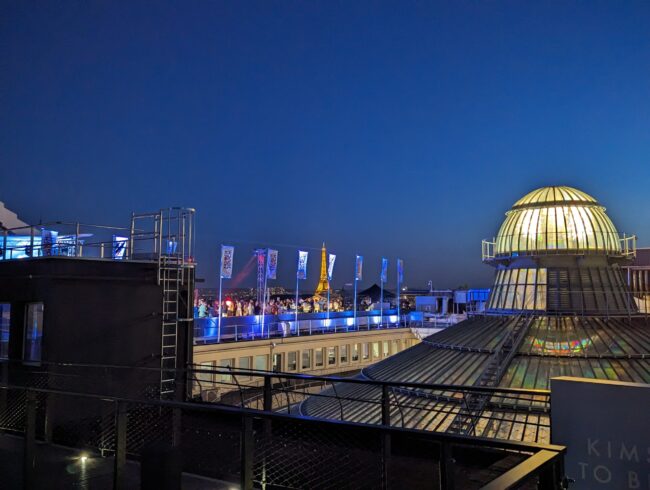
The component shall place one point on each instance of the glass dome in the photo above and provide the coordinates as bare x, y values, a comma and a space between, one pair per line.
557, 219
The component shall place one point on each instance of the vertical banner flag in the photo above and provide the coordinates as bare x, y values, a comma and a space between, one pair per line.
119, 247
400, 271
271, 263
384, 270
302, 264
358, 270
330, 266
227, 253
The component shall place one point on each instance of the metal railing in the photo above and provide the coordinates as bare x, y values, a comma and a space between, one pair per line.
555, 299
169, 232
117, 442
508, 413
234, 329
558, 243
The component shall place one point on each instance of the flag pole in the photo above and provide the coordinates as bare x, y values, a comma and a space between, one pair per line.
398, 285
355, 295
219, 327
328, 298
266, 276
381, 302
297, 285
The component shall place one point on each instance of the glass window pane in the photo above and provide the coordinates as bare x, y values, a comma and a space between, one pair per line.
292, 361
331, 356
344, 353
33, 332
366, 351
244, 363
262, 363
205, 377
386, 348
226, 364
5, 322
306, 359
375, 350
319, 358
355, 352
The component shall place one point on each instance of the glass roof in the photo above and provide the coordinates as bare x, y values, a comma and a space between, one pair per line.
557, 219
554, 194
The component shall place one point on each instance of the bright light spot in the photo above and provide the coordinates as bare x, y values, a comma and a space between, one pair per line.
350, 322
376, 319
83, 458
327, 322
393, 318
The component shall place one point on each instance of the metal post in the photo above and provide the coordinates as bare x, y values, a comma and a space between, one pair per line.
381, 303
328, 298
220, 306
29, 461
264, 302
398, 308
297, 325
31, 242
355, 299
129, 252
386, 439
120, 446
268, 394
446, 468
247, 446
77, 249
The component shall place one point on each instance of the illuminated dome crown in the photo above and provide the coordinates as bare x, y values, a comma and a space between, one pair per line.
557, 219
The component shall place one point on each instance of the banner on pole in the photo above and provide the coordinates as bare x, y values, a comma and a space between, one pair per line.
302, 264
358, 269
400, 271
384, 270
119, 247
271, 263
330, 266
227, 253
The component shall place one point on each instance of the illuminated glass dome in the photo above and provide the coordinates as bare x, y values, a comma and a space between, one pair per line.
556, 219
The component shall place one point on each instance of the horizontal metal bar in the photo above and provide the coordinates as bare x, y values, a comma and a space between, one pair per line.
238, 411
523, 470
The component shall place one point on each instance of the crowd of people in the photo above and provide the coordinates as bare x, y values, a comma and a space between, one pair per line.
276, 306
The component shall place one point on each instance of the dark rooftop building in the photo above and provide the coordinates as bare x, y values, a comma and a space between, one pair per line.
560, 305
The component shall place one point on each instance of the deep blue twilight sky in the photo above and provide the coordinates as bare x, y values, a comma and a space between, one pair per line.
384, 128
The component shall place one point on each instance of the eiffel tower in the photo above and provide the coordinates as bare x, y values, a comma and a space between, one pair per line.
323, 283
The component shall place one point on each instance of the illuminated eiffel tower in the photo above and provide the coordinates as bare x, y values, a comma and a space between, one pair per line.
323, 283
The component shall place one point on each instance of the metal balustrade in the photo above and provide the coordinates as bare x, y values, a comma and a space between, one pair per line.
69, 436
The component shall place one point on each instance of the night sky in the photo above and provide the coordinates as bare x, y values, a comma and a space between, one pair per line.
383, 128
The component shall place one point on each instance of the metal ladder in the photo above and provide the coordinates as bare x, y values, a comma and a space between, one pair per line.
167, 236
171, 277
474, 403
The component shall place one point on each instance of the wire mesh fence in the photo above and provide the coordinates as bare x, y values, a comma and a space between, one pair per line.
80, 439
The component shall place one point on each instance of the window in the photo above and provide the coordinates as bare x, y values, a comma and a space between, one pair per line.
319, 358
5, 321
306, 359
386, 349
292, 361
331, 356
365, 351
226, 364
244, 363
278, 362
33, 332
203, 377
355, 352
262, 363
375, 350
344, 353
